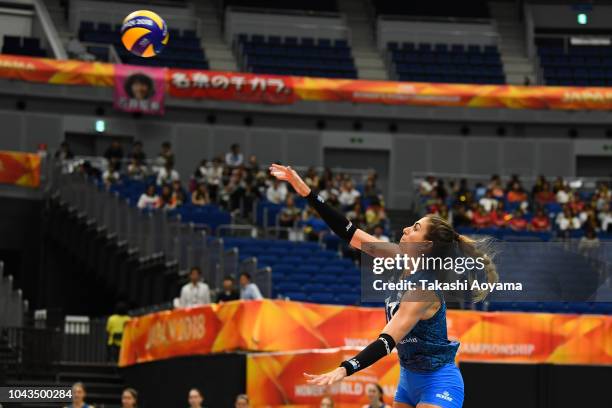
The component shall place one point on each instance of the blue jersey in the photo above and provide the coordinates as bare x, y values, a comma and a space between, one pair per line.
426, 348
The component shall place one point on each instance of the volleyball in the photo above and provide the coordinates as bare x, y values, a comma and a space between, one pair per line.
144, 33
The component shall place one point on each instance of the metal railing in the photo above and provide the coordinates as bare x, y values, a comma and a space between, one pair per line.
83, 342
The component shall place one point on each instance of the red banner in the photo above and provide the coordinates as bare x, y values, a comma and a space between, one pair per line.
277, 89
140, 89
278, 325
22, 169
230, 86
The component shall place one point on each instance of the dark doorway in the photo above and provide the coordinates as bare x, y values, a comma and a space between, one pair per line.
594, 166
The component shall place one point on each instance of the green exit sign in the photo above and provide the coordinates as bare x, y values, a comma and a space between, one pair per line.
356, 140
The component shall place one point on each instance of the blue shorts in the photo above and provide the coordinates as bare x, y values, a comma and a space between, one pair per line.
443, 387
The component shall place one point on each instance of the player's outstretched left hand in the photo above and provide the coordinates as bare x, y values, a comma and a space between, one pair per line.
329, 378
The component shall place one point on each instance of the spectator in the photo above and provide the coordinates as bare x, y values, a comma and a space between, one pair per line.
178, 192
427, 186
289, 214
495, 185
379, 233
215, 175
136, 169
111, 174
327, 402
538, 185
234, 158
540, 222
165, 155
114, 153
149, 199
518, 221
545, 195
375, 214
229, 292
248, 289
348, 195
242, 401
563, 195
195, 292
516, 193
566, 221
200, 195
129, 398
114, 327
605, 218
252, 164
375, 396
167, 174
195, 398
64, 152
78, 396
481, 218
166, 199
480, 191
499, 218
138, 153
463, 194
488, 202
276, 192
311, 178
200, 174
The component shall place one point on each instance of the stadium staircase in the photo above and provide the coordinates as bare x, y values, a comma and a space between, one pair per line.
57, 13
512, 43
367, 57
219, 53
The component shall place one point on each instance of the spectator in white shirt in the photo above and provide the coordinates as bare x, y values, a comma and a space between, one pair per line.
348, 194
562, 196
149, 199
111, 175
195, 292
566, 221
605, 218
167, 175
276, 192
234, 158
488, 201
248, 290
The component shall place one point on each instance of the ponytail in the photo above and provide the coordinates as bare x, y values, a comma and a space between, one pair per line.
470, 248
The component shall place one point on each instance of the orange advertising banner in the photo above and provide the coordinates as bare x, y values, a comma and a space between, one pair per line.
61, 72
277, 379
22, 169
278, 89
279, 325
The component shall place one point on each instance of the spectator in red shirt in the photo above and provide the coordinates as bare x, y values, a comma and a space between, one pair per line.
499, 218
480, 218
575, 204
545, 195
518, 222
540, 222
516, 194
495, 185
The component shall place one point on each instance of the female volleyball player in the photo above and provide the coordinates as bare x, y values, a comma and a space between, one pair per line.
428, 375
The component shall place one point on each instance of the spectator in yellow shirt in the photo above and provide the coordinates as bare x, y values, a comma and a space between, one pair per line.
114, 327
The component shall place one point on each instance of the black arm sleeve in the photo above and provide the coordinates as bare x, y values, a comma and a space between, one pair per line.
369, 355
338, 223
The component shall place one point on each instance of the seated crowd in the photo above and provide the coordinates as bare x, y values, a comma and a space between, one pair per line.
550, 206
235, 184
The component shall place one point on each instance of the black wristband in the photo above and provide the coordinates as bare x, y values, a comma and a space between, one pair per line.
337, 222
369, 355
